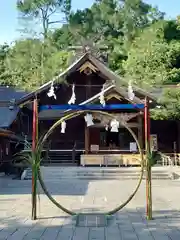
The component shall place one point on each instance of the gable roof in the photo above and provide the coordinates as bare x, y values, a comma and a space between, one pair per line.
73, 67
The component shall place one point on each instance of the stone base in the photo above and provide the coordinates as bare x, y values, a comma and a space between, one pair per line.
111, 159
92, 220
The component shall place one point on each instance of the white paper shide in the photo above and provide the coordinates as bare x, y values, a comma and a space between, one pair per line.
51, 92
114, 125
89, 119
73, 97
131, 94
63, 127
101, 97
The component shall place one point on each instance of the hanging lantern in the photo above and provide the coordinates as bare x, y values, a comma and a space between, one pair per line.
51, 92
114, 125
102, 99
131, 94
73, 97
63, 127
89, 120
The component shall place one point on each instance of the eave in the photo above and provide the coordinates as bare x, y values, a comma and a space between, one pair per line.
102, 69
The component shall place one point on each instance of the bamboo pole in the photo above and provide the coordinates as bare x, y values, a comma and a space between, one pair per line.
148, 162
34, 164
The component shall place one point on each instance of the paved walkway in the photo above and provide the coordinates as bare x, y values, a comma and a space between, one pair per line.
83, 195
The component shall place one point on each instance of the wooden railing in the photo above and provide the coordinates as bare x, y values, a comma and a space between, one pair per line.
170, 159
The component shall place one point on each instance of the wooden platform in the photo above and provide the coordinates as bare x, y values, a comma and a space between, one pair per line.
111, 159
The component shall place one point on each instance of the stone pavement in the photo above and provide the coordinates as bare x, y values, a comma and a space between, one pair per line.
87, 196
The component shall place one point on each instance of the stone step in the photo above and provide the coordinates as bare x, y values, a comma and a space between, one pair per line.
51, 174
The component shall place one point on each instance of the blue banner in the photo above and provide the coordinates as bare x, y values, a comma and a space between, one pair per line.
91, 107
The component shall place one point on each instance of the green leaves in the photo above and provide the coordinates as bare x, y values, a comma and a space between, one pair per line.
30, 158
154, 62
31, 63
43, 10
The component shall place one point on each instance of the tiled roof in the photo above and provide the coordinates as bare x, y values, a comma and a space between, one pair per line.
9, 93
8, 115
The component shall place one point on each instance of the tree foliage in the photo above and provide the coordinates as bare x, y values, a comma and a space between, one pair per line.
31, 63
43, 10
154, 56
154, 61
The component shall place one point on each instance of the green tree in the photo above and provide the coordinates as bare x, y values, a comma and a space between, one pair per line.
4, 49
109, 23
31, 63
170, 104
152, 58
43, 10
154, 62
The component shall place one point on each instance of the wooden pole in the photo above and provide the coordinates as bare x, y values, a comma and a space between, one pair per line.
140, 130
148, 163
86, 140
34, 169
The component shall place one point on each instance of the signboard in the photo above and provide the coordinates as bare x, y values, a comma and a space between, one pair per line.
153, 142
94, 148
133, 147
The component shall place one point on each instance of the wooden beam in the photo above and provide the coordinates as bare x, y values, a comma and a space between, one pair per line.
91, 107
132, 125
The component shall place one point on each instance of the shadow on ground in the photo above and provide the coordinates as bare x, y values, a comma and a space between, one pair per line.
127, 224
63, 187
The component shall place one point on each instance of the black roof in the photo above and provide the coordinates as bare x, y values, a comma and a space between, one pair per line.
8, 115
9, 93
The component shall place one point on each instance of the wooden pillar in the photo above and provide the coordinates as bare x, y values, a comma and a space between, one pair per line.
148, 163
34, 170
140, 130
87, 143
178, 136
88, 87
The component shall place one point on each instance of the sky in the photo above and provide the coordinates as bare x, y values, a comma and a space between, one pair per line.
9, 23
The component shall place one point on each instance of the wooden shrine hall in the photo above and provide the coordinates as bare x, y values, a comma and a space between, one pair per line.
88, 81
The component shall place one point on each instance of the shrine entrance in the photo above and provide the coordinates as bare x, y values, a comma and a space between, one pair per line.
102, 138
112, 139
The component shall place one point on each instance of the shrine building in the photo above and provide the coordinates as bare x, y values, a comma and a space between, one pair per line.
92, 138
